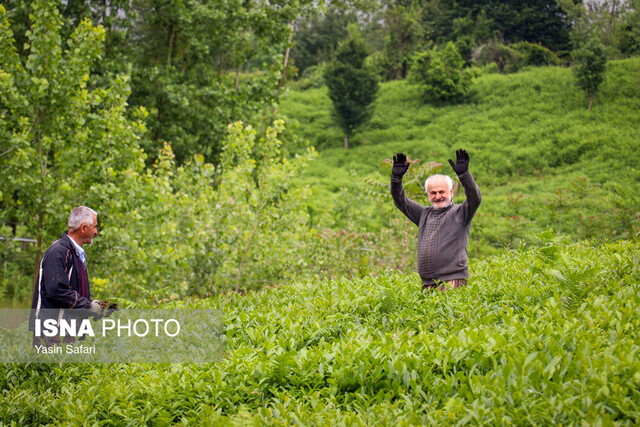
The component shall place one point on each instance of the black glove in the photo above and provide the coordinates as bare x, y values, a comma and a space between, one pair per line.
462, 162
400, 165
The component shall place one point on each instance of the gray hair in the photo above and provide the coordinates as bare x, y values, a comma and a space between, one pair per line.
447, 177
80, 215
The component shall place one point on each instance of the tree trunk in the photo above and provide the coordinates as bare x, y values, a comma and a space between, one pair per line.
346, 140
590, 103
286, 55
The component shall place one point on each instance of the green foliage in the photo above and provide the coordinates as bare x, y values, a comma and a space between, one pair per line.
441, 74
403, 36
61, 138
511, 58
614, 24
311, 77
535, 54
628, 34
540, 21
317, 37
199, 66
471, 33
589, 67
166, 230
544, 336
528, 133
194, 66
197, 229
506, 58
352, 86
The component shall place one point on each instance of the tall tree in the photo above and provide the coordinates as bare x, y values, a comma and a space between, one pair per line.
352, 86
614, 23
59, 137
189, 61
193, 56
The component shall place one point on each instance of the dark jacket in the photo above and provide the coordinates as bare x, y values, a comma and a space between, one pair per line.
442, 233
60, 281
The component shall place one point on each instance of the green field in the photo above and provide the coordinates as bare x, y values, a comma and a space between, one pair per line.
528, 134
538, 337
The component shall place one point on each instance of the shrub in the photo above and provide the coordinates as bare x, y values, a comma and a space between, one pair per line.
441, 74
507, 59
535, 54
590, 64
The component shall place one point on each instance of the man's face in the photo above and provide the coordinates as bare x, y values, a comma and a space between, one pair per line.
89, 231
439, 194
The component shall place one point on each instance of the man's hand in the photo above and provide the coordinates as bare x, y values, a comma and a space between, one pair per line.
462, 162
400, 165
96, 308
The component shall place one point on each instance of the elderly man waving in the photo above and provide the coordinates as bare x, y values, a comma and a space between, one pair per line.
443, 227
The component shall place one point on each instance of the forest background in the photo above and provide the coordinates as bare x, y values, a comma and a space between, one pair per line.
203, 134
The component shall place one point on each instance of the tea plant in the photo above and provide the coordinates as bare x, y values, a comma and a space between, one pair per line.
542, 336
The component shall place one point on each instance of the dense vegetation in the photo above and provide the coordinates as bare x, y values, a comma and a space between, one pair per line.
201, 132
246, 214
543, 336
541, 159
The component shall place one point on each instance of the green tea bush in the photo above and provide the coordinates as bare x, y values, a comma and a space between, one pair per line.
542, 336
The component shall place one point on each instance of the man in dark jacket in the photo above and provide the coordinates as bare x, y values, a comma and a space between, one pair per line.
63, 282
443, 227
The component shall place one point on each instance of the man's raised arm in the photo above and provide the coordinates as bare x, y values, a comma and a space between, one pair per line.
471, 189
411, 209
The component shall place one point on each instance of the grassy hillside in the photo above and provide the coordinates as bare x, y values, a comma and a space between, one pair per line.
528, 135
544, 336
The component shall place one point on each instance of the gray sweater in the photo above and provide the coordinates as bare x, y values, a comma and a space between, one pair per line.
442, 233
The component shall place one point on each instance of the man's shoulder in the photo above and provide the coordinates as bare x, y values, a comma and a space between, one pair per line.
60, 246
458, 208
